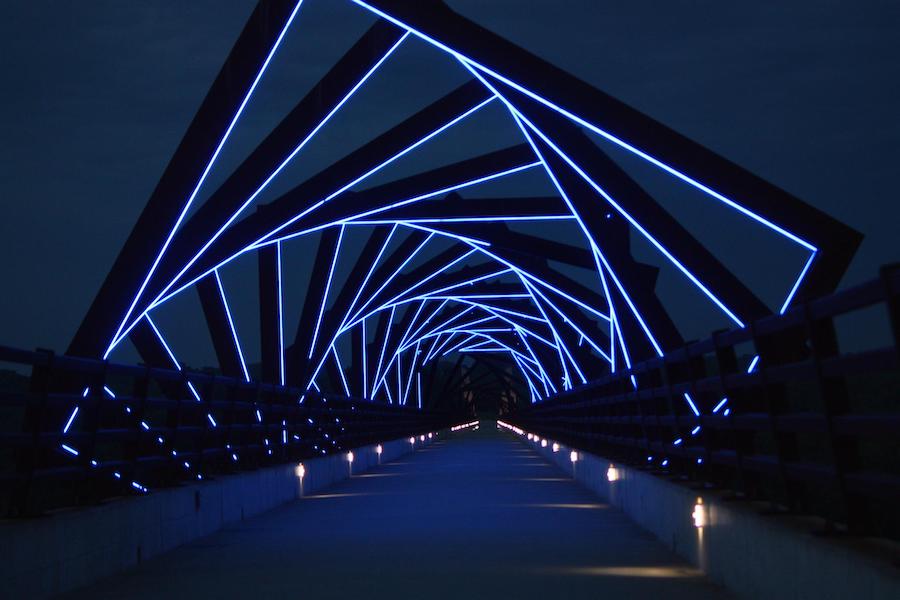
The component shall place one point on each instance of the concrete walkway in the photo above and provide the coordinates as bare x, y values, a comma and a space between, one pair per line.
475, 515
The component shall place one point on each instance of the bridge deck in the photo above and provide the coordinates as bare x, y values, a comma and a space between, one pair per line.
475, 515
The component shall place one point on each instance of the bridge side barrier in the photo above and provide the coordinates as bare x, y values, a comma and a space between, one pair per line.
75, 547
775, 412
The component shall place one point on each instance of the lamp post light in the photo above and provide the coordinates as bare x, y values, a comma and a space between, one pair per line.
378, 451
350, 463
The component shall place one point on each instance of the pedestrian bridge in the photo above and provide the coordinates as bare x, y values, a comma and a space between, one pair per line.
433, 360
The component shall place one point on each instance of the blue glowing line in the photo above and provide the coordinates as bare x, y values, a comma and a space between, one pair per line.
753, 364
234, 335
174, 360
109, 392
206, 171
440, 192
69, 422
720, 405
412, 369
387, 390
387, 336
401, 397
163, 342
693, 406
695, 430
365, 383
341, 371
413, 220
69, 449
334, 259
794, 289
472, 349
419, 387
677, 442
278, 272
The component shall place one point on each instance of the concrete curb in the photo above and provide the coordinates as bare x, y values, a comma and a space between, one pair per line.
754, 556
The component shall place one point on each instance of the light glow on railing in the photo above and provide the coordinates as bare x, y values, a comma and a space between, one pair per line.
459, 427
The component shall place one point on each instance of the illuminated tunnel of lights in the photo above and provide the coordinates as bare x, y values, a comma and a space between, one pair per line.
453, 295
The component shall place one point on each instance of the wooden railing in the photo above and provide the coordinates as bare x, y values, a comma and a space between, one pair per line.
810, 428
78, 431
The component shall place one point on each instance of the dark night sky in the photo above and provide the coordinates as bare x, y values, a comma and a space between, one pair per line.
97, 94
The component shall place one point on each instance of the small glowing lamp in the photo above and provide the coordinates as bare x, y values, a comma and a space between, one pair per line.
430, 435
422, 438
543, 443
412, 440
300, 471
612, 473
379, 449
350, 457
699, 514
573, 456
555, 447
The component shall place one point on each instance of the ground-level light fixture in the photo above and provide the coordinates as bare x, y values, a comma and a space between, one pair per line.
555, 447
379, 449
530, 437
350, 457
543, 443
300, 471
612, 473
422, 438
699, 514
412, 440
573, 456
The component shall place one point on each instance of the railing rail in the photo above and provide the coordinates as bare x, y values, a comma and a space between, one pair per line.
808, 428
83, 430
